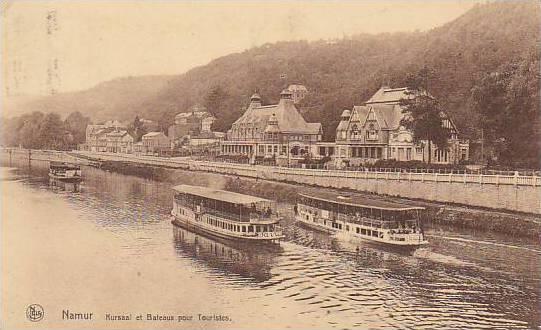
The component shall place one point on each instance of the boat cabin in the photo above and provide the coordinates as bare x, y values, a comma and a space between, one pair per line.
62, 169
226, 214
238, 207
360, 213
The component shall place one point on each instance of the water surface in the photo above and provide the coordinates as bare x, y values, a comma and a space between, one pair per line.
111, 248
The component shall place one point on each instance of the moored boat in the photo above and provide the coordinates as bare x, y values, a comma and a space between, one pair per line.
65, 172
353, 216
226, 214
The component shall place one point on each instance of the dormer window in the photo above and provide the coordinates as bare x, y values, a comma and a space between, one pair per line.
372, 133
355, 132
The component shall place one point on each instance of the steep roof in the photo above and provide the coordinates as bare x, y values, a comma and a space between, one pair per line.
297, 87
151, 134
117, 133
388, 116
289, 118
388, 95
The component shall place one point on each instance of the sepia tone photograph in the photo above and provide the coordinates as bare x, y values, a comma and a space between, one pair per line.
270, 164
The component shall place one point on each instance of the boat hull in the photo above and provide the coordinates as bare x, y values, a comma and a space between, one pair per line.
349, 236
65, 179
192, 225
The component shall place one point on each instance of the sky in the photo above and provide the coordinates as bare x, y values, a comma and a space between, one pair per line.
67, 46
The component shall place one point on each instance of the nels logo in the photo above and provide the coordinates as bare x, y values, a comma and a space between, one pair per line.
34, 313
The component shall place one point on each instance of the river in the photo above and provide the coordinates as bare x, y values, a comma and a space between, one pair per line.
111, 249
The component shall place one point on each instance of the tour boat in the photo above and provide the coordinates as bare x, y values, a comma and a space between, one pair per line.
353, 216
65, 172
226, 214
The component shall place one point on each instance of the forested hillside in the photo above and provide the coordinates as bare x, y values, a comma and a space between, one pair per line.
484, 69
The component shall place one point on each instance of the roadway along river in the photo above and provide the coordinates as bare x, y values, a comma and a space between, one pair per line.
111, 249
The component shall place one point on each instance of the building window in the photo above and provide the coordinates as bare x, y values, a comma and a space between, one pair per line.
284, 150
275, 149
355, 133
371, 133
262, 149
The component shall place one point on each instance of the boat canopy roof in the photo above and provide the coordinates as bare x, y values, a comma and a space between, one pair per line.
359, 201
220, 195
64, 165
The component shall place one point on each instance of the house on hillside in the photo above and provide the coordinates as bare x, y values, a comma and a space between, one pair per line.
95, 135
195, 121
272, 131
298, 92
372, 131
156, 143
119, 141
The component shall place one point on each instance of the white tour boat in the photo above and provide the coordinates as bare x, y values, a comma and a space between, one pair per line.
354, 216
226, 214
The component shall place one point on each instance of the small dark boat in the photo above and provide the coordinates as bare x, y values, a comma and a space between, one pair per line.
65, 172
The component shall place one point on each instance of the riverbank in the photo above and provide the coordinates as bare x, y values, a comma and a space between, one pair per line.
170, 170
509, 223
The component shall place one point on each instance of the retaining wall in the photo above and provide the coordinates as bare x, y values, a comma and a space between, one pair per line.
514, 193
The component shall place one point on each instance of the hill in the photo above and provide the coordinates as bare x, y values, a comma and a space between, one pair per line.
493, 38
112, 99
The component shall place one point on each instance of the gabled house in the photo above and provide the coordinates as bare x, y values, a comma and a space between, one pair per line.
156, 143
372, 131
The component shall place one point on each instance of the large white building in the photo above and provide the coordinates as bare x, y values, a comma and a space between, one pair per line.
372, 131
277, 131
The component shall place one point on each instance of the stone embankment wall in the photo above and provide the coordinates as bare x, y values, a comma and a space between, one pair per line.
522, 196
514, 193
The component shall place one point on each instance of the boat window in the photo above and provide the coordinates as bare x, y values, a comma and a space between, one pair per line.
347, 227
363, 231
375, 233
357, 230
250, 229
369, 232
243, 229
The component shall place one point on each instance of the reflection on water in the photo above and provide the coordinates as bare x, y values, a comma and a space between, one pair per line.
227, 257
461, 280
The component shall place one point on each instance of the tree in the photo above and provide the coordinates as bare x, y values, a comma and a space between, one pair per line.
137, 129
27, 130
51, 132
75, 123
215, 100
507, 102
423, 114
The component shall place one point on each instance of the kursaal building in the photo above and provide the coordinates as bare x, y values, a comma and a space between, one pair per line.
273, 131
365, 133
